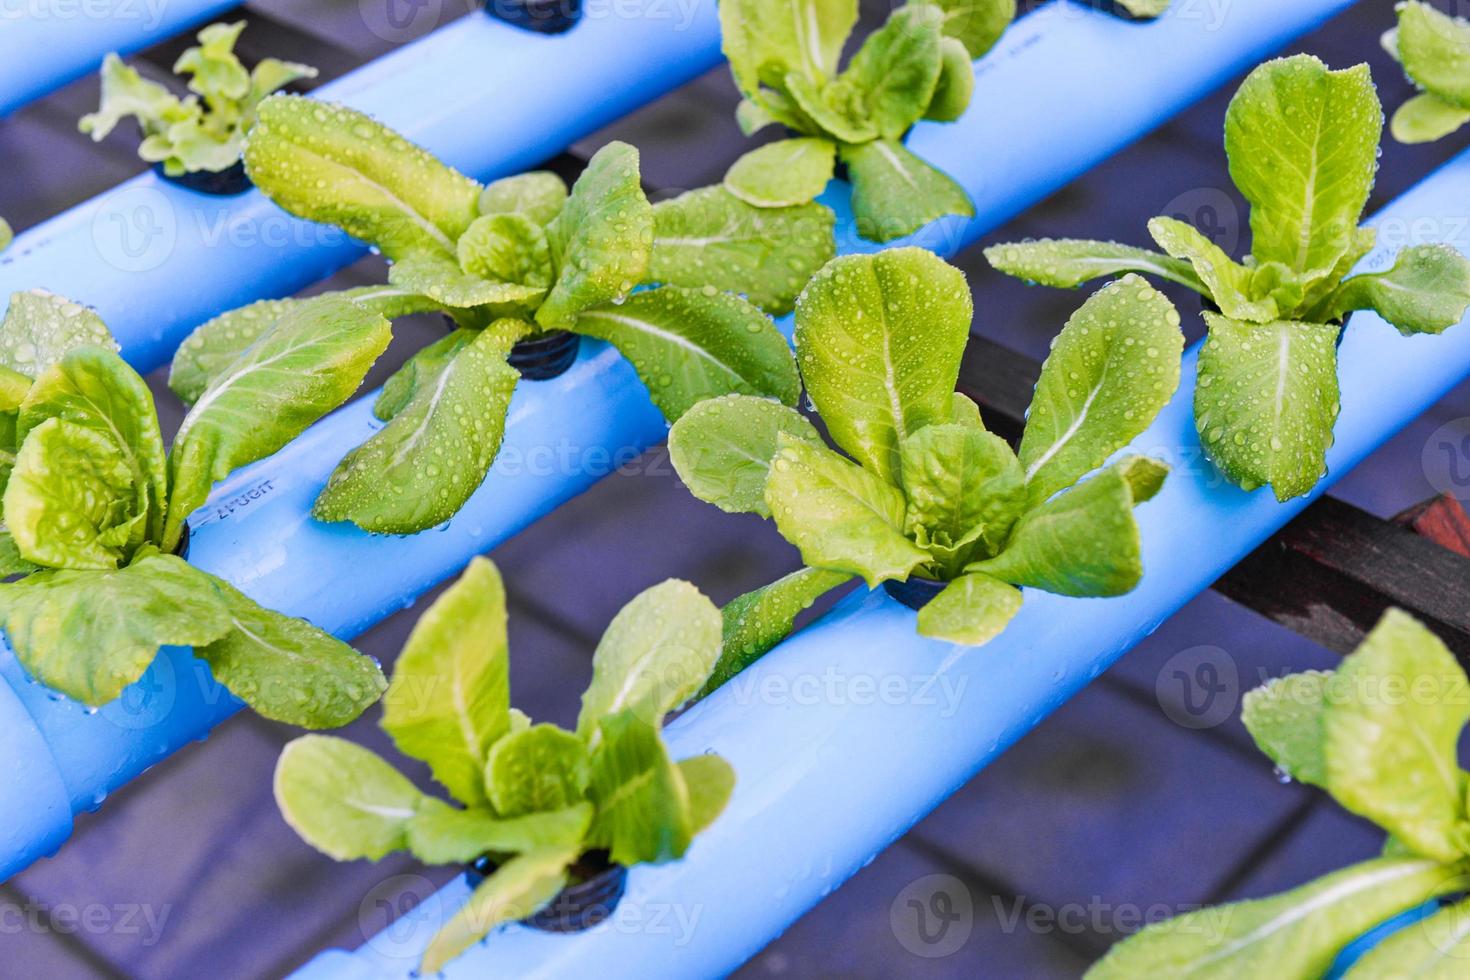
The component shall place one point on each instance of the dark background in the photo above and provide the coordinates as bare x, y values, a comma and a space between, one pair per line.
1125, 802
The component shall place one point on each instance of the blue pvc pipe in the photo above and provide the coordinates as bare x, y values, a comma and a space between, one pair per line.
830, 769
46, 43
344, 580
487, 98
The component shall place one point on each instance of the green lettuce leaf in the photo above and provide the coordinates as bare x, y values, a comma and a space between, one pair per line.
1426, 291
426, 364
786, 172
89, 634
962, 485
541, 768
287, 669
519, 888
1302, 143
309, 363
841, 516
506, 248
40, 328
708, 780
1435, 948
538, 194
420, 469
449, 700
1434, 49
71, 501
217, 343
1426, 118
894, 193
709, 237
722, 449
972, 609
897, 68
766, 39
601, 239
656, 653
1069, 262
1392, 758
1266, 400
439, 277
1284, 716
977, 24
337, 166
758, 620
93, 388
956, 85
1082, 542
1295, 934
344, 800
1110, 371
127, 93
688, 346
643, 810
879, 339
836, 109
449, 836
1227, 281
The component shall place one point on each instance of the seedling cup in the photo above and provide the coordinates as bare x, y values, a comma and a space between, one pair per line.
915, 592
218, 183
541, 16
598, 889
542, 356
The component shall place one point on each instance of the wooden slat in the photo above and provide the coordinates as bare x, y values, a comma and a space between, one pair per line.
1328, 575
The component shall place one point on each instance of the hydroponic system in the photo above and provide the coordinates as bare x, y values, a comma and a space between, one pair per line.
797, 335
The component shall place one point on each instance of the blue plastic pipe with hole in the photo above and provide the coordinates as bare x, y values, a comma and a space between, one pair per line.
854, 728
157, 260
565, 434
46, 43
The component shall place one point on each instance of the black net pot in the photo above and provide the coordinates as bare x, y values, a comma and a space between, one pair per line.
182, 548
916, 593
597, 888
219, 183
541, 16
545, 355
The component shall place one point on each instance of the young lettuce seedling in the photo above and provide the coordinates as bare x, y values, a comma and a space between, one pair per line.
924, 489
1302, 143
916, 66
533, 798
95, 510
206, 129
507, 262
1379, 734
1434, 50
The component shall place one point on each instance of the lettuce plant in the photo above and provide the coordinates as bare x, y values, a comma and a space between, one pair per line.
1379, 734
507, 262
206, 129
1434, 50
1303, 144
94, 509
784, 56
924, 489
534, 798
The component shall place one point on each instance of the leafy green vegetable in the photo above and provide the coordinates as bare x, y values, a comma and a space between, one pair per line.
1434, 49
536, 798
1379, 734
206, 129
519, 257
924, 490
917, 65
93, 506
1302, 143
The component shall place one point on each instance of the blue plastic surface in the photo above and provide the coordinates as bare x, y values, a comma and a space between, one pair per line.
46, 43
157, 260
